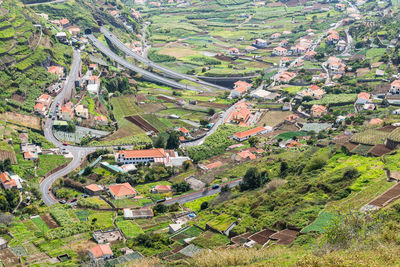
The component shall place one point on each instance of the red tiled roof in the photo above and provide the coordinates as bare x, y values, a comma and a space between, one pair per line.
120, 190
145, 153
249, 132
101, 250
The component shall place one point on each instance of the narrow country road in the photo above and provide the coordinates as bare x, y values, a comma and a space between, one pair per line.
78, 152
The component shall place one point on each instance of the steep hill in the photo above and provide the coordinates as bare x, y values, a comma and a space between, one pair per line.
26, 48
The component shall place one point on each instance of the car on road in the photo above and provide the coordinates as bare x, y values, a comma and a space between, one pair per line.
216, 186
160, 200
62, 201
58, 104
84, 195
65, 144
54, 118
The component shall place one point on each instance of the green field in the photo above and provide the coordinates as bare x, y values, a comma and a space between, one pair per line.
49, 162
129, 228
40, 224
320, 224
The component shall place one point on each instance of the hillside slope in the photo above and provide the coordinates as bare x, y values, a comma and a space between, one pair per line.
26, 49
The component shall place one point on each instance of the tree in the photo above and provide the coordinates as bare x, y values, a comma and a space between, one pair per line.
159, 142
253, 141
204, 205
211, 111
160, 208
203, 122
181, 187
173, 140
253, 179
284, 168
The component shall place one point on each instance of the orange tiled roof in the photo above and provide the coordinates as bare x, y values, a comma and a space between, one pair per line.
246, 154
318, 108
101, 250
93, 187
214, 165
163, 187
395, 83
44, 96
39, 106
375, 121
280, 49
363, 95
183, 130
249, 132
120, 190
145, 153
64, 21
293, 143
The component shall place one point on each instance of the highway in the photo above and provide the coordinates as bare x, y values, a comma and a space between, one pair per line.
44, 3
199, 194
146, 74
170, 73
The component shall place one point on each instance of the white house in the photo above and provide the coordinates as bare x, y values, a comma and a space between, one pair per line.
395, 87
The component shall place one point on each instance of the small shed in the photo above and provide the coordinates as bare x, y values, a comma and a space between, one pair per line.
3, 243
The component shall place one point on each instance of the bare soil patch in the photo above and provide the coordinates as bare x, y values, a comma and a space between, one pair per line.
51, 223
139, 121
21, 119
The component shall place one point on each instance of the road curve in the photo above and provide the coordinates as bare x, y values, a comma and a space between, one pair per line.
78, 153
170, 73
146, 74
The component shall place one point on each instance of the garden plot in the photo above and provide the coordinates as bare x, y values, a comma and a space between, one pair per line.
210, 240
8, 258
51, 223
273, 118
320, 224
79, 134
144, 125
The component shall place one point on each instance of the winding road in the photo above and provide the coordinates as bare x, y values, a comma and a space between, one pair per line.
78, 153
170, 73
